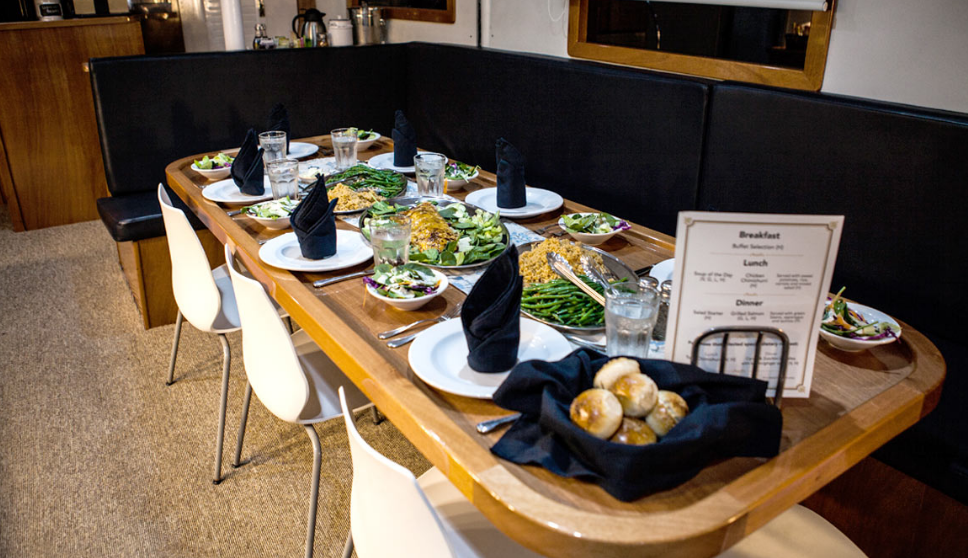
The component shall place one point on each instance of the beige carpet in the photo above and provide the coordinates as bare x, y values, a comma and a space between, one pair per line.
99, 458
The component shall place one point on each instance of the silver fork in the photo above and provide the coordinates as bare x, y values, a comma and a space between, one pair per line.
453, 313
543, 230
446, 315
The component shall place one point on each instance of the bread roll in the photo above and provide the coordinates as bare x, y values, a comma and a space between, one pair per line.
598, 412
634, 432
668, 411
637, 393
613, 370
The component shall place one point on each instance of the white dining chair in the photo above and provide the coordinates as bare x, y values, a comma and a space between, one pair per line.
392, 513
795, 533
204, 297
290, 375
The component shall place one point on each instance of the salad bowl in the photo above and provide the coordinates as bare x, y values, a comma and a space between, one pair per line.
405, 304
220, 166
272, 214
856, 344
458, 174
606, 226
371, 138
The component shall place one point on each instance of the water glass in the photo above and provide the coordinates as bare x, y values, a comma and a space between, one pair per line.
344, 147
629, 319
273, 146
429, 168
390, 238
284, 178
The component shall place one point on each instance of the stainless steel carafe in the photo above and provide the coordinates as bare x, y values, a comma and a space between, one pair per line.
369, 27
312, 31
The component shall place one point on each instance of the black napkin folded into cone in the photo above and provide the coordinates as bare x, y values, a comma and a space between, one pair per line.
279, 122
314, 223
404, 141
511, 192
728, 417
247, 170
491, 315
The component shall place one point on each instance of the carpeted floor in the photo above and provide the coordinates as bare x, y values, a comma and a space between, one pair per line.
99, 458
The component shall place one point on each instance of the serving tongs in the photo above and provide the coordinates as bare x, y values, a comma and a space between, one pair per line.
561, 266
596, 275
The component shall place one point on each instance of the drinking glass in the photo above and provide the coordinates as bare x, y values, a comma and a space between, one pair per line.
284, 178
344, 147
429, 168
273, 146
629, 319
390, 238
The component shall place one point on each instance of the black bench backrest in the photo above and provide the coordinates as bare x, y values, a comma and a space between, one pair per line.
153, 110
621, 140
898, 174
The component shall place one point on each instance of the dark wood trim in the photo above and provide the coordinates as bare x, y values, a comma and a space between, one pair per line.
8, 191
76, 22
810, 78
447, 15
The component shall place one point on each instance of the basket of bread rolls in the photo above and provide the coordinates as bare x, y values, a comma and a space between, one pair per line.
632, 426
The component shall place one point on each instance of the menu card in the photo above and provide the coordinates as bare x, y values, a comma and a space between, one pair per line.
745, 269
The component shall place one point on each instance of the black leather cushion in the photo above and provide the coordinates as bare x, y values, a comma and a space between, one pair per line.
153, 110
898, 175
137, 216
622, 140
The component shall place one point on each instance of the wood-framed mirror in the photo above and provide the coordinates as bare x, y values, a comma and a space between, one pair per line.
784, 48
436, 11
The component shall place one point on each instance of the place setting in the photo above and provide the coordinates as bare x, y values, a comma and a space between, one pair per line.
512, 198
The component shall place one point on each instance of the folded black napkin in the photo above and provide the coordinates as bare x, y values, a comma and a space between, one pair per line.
490, 315
279, 122
314, 223
510, 176
247, 170
728, 417
404, 141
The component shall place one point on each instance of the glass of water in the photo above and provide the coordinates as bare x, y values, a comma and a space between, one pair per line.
629, 319
344, 147
390, 238
429, 168
284, 178
273, 146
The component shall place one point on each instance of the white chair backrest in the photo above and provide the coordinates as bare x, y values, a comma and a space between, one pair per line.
271, 364
389, 513
191, 276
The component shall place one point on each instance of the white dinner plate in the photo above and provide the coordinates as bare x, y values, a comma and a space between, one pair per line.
298, 149
225, 191
385, 161
664, 270
540, 201
283, 252
438, 356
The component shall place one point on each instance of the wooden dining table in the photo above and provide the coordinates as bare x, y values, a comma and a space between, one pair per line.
858, 402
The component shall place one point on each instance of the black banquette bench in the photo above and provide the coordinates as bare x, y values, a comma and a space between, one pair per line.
640, 144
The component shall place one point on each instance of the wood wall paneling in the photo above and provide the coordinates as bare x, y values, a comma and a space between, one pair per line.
47, 116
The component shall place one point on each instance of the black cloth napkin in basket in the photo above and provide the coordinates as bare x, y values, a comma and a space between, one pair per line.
491, 315
404, 141
279, 122
511, 192
728, 417
247, 170
314, 223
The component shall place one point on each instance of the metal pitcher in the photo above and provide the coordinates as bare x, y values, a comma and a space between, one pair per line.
312, 27
369, 27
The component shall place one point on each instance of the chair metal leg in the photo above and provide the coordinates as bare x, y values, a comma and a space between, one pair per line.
245, 417
174, 349
289, 324
314, 495
377, 417
226, 363
348, 548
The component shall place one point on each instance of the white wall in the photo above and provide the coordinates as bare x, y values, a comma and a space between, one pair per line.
538, 26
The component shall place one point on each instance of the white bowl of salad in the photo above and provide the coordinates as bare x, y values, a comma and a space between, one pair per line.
854, 327
273, 214
592, 228
365, 138
458, 174
405, 287
214, 168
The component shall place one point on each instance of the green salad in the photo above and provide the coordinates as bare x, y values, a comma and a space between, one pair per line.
460, 171
476, 238
386, 183
594, 223
405, 281
274, 209
363, 135
846, 322
219, 161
